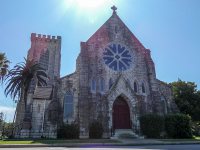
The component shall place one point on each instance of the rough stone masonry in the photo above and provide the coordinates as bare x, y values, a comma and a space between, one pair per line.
114, 82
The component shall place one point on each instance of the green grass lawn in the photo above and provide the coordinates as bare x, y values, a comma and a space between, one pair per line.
54, 141
195, 138
40, 141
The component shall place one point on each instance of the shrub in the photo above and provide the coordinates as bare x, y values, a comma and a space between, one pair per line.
196, 128
152, 125
68, 131
95, 130
178, 126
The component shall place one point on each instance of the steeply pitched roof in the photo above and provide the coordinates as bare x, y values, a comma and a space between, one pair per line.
115, 20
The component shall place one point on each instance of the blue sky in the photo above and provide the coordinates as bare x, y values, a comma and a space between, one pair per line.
169, 28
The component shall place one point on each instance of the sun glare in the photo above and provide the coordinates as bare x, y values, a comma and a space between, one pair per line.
90, 3
89, 9
85, 4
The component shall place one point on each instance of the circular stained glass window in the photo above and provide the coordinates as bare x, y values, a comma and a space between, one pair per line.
117, 57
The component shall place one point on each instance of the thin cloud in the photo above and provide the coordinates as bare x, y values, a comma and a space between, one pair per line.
8, 112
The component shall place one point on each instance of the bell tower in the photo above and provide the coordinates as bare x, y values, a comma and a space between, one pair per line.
47, 51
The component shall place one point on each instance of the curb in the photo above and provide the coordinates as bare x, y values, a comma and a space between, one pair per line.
94, 144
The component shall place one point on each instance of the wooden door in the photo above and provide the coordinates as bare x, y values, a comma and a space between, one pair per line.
121, 114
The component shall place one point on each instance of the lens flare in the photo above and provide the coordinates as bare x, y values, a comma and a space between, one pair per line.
85, 4
90, 9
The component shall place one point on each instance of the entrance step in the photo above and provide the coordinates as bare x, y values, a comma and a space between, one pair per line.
125, 134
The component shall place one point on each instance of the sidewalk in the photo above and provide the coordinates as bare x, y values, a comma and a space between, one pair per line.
158, 141
122, 142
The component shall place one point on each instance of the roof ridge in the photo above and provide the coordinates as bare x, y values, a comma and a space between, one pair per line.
114, 15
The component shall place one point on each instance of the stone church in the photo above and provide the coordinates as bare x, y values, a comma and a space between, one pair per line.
114, 82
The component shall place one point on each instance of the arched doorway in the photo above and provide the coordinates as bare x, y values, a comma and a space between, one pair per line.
121, 114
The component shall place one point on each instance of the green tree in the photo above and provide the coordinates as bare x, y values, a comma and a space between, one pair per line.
4, 64
7, 129
187, 98
19, 79
2, 120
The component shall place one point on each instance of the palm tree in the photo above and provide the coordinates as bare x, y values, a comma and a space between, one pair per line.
20, 77
3, 66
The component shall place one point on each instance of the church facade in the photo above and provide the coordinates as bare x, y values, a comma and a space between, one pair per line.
114, 82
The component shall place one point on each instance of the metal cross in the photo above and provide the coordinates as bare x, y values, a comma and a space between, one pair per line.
114, 8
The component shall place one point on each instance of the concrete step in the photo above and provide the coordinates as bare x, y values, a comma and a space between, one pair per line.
125, 134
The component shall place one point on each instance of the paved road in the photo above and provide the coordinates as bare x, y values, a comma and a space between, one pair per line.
155, 147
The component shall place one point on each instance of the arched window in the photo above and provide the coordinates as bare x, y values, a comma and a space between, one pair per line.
93, 85
38, 108
127, 80
44, 59
110, 83
102, 84
143, 88
116, 29
68, 105
135, 87
164, 104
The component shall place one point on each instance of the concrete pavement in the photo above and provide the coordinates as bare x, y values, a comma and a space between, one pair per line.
123, 142
145, 147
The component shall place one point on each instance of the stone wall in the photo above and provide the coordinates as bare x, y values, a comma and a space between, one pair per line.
45, 50
40, 45
91, 66
69, 84
148, 95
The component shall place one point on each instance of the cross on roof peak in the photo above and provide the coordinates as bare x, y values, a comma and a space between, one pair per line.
114, 8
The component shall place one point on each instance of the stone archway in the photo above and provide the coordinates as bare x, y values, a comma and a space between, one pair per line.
121, 114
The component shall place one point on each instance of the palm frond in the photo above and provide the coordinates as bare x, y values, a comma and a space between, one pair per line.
19, 78
4, 65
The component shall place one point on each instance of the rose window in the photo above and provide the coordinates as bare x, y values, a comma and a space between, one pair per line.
117, 57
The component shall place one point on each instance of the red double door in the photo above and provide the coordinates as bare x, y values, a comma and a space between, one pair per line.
121, 114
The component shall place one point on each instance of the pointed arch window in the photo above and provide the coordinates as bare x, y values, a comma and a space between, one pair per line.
68, 105
164, 104
102, 84
143, 88
110, 83
93, 85
44, 59
116, 29
135, 86
38, 108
